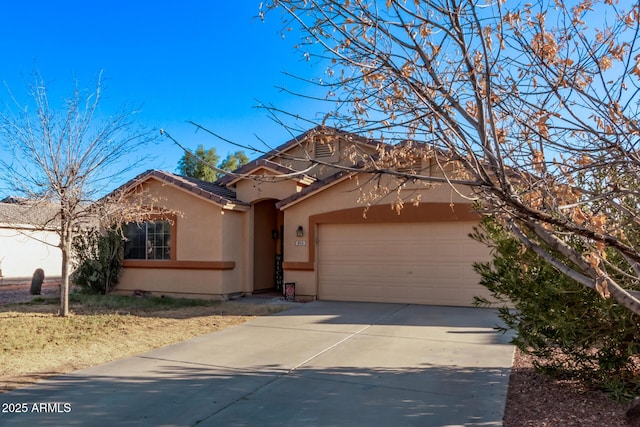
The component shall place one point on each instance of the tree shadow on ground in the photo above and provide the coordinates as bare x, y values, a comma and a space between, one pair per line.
181, 394
449, 323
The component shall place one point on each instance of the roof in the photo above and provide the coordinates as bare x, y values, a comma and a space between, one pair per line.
220, 192
315, 187
341, 175
253, 166
293, 142
19, 213
214, 192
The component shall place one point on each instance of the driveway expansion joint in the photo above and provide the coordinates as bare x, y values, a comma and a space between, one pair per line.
246, 396
208, 365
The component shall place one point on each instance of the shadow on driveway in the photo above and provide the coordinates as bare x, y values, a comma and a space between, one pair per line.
317, 364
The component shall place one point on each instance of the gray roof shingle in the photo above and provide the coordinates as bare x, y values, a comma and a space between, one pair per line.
208, 190
29, 214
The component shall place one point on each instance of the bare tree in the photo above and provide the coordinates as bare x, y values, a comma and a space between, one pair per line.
537, 104
66, 158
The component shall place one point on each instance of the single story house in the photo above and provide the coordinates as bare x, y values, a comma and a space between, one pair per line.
27, 242
268, 224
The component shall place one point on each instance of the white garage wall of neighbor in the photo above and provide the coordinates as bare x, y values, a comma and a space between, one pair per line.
417, 263
22, 251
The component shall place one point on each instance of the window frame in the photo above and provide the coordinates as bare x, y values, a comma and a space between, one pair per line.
171, 219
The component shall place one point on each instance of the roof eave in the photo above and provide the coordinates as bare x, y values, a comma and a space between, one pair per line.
203, 195
297, 198
166, 179
301, 179
236, 207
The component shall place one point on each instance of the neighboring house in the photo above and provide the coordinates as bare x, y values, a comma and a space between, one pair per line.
242, 235
27, 241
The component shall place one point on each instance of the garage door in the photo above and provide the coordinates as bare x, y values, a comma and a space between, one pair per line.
419, 263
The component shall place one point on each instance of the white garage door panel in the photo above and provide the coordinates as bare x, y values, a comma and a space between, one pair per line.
423, 263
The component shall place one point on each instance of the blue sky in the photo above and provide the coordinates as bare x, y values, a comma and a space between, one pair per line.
206, 61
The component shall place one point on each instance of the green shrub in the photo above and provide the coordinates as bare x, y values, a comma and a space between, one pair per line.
97, 261
574, 332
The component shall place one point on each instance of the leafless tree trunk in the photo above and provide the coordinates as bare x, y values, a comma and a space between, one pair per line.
65, 245
61, 160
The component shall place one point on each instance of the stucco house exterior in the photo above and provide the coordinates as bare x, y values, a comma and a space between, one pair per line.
267, 224
27, 242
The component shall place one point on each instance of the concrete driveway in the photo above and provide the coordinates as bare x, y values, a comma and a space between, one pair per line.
316, 364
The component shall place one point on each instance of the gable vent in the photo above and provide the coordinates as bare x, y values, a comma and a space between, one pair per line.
323, 149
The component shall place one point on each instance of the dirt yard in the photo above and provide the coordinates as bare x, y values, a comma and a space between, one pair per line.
12, 293
36, 343
91, 337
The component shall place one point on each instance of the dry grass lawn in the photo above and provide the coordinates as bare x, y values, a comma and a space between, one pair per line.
35, 343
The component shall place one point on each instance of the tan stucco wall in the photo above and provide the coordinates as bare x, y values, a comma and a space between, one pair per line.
247, 254
23, 251
198, 222
306, 150
204, 232
234, 246
342, 196
179, 282
250, 191
303, 152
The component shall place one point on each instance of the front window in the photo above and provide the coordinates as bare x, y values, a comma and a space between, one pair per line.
148, 240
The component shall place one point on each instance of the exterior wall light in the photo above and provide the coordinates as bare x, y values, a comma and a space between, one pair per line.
300, 231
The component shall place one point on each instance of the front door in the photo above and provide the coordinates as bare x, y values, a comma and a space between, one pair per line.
267, 246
